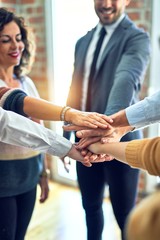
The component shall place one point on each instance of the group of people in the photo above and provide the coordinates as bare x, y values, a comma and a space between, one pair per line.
22, 168
108, 83
98, 110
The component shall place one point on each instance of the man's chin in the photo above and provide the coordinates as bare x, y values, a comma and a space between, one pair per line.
107, 20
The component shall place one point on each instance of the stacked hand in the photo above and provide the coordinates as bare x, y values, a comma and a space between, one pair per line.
91, 139
91, 120
84, 120
88, 138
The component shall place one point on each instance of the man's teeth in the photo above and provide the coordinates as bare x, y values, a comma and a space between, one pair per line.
108, 12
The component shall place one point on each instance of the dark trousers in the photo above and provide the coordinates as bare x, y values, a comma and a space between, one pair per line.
15, 215
122, 181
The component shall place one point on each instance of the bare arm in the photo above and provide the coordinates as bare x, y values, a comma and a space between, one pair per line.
17, 100
140, 153
116, 150
45, 110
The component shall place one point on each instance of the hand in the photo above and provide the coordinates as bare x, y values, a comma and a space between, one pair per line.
107, 135
87, 119
95, 135
43, 182
66, 163
75, 154
83, 131
95, 132
85, 142
116, 135
89, 136
95, 158
72, 127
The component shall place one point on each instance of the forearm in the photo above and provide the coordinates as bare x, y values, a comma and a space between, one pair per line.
41, 109
143, 153
18, 101
29, 134
116, 150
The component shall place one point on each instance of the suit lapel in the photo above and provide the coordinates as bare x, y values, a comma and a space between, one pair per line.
84, 47
118, 34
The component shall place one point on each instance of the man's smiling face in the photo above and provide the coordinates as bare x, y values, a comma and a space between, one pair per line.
109, 11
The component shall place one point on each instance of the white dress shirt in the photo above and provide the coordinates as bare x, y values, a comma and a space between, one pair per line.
90, 52
20, 131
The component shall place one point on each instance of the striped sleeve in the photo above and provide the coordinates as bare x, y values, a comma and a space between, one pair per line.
12, 99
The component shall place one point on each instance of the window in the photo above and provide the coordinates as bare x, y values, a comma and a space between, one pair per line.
66, 21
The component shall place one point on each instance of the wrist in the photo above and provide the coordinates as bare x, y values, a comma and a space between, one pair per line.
124, 130
120, 119
63, 113
69, 115
45, 173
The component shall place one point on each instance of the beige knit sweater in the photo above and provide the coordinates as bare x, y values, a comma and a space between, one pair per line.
145, 154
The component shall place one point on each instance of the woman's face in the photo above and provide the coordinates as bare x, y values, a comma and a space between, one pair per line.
11, 45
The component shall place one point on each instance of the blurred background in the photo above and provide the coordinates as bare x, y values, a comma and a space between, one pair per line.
57, 25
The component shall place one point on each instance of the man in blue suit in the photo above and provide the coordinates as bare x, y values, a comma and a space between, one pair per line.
115, 84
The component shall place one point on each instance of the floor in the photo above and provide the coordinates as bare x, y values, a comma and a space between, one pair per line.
61, 217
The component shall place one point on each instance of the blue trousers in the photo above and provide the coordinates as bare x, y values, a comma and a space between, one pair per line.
15, 215
122, 181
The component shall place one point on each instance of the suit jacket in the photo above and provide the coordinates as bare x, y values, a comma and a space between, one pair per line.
122, 68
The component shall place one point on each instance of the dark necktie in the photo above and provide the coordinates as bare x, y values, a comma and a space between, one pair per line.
93, 67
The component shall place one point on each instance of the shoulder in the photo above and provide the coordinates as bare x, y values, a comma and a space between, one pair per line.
129, 25
29, 86
27, 80
86, 37
133, 36
2, 83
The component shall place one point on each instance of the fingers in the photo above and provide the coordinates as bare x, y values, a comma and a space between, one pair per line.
86, 163
90, 158
109, 140
66, 163
91, 120
44, 196
106, 118
97, 158
72, 127
113, 137
91, 133
44, 189
98, 120
85, 142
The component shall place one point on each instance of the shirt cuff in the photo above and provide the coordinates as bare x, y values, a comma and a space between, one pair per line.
60, 146
136, 116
